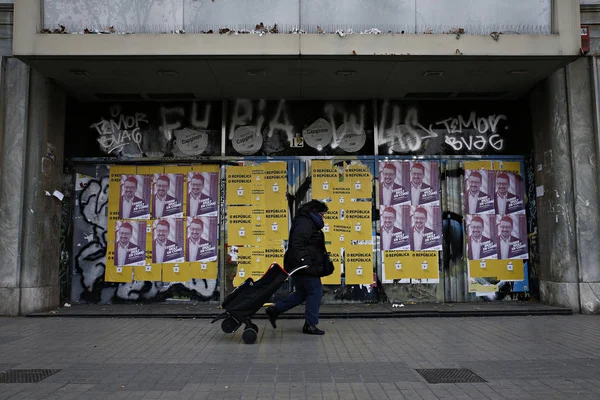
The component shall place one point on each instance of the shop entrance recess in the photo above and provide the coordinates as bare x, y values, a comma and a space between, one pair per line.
468, 215
398, 229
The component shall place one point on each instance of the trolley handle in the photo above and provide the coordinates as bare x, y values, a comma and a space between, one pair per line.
298, 269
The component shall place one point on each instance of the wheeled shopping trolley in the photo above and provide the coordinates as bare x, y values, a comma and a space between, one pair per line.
247, 299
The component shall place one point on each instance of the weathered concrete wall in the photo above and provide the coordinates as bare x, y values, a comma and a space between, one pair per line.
585, 182
31, 147
568, 212
477, 16
13, 140
556, 220
41, 222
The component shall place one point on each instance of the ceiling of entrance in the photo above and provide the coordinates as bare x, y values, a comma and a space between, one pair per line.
270, 78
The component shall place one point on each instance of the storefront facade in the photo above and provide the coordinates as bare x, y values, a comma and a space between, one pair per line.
187, 155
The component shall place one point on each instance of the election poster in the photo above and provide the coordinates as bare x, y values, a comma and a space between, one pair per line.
510, 193
134, 199
201, 238
239, 185
359, 178
359, 265
167, 195
130, 246
275, 181
426, 228
395, 227
202, 193
393, 177
276, 225
167, 241
512, 236
335, 254
401, 265
424, 183
481, 240
240, 226
325, 178
479, 192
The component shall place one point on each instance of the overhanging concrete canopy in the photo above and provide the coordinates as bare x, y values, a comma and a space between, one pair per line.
295, 66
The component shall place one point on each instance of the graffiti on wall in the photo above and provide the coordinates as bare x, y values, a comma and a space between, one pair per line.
90, 248
260, 127
153, 130
406, 128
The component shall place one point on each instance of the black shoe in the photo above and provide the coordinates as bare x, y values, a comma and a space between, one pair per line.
311, 329
273, 313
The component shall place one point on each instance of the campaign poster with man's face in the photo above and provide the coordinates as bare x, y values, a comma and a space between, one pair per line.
424, 183
481, 242
201, 238
167, 240
134, 202
479, 192
394, 227
202, 193
512, 236
130, 244
426, 228
393, 183
510, 193
167, 200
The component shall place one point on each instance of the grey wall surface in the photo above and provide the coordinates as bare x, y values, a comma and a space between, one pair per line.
125, 15
557, 244
41, 223
31, 146
236, 14
412, 16
566, 166
13, 139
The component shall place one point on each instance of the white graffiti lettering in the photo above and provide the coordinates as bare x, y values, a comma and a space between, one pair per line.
120, 130
403, 135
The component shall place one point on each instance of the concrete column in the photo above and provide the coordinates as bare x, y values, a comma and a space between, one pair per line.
559, 275
585, 181
31, 147
13, 131
568, 212
41, 223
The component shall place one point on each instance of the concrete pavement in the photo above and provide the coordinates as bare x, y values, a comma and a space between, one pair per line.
540, 357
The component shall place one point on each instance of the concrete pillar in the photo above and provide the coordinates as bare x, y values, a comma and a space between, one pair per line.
585, 181
568, 212
31, 164
13, 125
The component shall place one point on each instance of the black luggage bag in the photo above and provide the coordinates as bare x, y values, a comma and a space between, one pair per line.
247, 299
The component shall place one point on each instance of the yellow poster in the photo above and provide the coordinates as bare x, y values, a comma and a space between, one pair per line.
503, 270
336, 277
175, 272
274, 255
204, 270
475, 165
118, 274
508, 166
258, 215
275, 178
481, 288
244, 267
359, 265
358, 215
325, 177
258, 236
259, 263
239, 226
239, 185
342, 232
401, 264
152, 273
360, 180
491, 165
276, 225
258, 186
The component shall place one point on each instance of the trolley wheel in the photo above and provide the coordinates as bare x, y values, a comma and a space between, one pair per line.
229, 325
249, 335
254, 326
